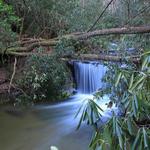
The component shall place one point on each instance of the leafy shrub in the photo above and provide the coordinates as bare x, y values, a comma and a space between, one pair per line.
7, 19
129, 88
45, 78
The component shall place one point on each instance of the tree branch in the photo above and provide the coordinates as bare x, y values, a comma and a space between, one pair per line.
12, 77
100, 16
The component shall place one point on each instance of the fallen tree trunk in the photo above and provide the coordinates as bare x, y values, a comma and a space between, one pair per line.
25, 54
31, 44
129, 30
104, 57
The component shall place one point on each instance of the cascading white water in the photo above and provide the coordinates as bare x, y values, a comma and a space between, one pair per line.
88, 76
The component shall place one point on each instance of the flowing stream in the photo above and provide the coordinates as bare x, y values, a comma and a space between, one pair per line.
88, 76
46, 125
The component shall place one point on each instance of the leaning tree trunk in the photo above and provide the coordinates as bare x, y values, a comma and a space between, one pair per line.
112, 31
26, 47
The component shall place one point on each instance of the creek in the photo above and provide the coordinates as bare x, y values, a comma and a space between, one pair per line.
47, 125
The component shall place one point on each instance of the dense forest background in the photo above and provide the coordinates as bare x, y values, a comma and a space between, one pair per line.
36, 36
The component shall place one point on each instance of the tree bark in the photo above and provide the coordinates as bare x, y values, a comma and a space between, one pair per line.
103, 57
86, 57
32, 45
113, 31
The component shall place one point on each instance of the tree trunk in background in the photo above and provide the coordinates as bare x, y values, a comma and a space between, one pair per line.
113, 7
82, 3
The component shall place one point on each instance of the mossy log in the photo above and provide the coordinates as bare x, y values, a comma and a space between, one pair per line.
103, 57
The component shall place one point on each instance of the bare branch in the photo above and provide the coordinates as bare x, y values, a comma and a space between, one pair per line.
12, 77
100, 16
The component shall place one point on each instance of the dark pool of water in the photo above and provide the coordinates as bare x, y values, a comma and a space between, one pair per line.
43, 126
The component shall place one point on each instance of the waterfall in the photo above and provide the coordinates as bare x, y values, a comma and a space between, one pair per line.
88, 76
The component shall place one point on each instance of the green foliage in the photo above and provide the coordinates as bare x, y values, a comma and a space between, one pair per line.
55, 17
66, 46
7, 19
45, 78
129, 87
90, 112
44, 18
69, 47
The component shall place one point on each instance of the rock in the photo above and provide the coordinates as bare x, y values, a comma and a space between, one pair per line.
53, 148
